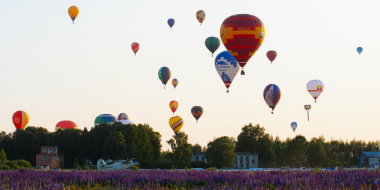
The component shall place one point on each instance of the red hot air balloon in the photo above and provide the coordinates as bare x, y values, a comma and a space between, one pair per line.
66, 125
271, 55
135, 47
20, 119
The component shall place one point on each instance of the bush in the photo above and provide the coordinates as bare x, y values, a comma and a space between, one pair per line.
199, 164
173, 168
79, 167
186, 168
23, 163
135, 167
4, 167
212, 169
13, 165
86, 168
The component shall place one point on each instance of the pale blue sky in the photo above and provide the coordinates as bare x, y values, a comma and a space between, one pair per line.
55, 70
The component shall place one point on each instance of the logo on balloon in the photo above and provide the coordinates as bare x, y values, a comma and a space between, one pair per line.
223, 64
319, 87
17, 120
261, 35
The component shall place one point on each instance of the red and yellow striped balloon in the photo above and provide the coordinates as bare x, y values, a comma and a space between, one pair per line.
20, 119
242, 35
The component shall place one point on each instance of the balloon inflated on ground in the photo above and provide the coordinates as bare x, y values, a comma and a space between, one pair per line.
20, 119
212, 43
66, 124
197, 112
126, 122
135, 47
105, 118
307, 108
315, 88
242, 35
176, 123
73, 12
293, 125
122, 116
272, 95
173, 106
227, 68
201, 16
164, 75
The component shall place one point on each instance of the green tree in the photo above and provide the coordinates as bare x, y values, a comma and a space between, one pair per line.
67, 142
3, 156
196, 148
220, 152
315, 152
25, 146
297, 149
181, 150
114, 146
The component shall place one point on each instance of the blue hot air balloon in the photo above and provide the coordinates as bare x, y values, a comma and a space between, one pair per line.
171, 22
272, 95
227, 67
164, 75
360, 50
294, 126
105, 118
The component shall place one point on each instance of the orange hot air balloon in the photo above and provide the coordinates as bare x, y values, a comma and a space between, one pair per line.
173, 106
242, 35
20, 119
271, 55
73, 12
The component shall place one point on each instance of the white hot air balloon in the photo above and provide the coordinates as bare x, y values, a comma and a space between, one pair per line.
315, 88
227, 67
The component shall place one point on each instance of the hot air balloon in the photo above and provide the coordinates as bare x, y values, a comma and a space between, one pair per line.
164, 75
176, 123
294, 126
272, 95
227, 67
307, 108
201, 15
135, 47
173, 106
20, 119
122, 116
171, 22
105, 118
126, 122
242, 35
65, 125
212, 44
73, 12
197, 112
271, 55
175, 83
360, 50
315, 88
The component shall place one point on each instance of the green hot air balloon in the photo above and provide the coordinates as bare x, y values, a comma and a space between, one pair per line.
212, 44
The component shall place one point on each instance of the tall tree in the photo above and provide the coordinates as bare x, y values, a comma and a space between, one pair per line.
26, 146
315, 152
196, 148
297, 149
114, 146
181, 150
220, 152
3, 156
67, 142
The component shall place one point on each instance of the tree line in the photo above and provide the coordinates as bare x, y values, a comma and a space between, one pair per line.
118, 141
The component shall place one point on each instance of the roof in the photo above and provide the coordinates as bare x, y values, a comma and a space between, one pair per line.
371, 154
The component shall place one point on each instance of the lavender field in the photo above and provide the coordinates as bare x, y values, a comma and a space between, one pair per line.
166, 179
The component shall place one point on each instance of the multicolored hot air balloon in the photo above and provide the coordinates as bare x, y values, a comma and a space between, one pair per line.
135, 47
197, 112
201, 15
242, 35
176, 123
105, 118
315, 88
271, 55
360, 50
227, 67
174, 83
293, 125
212, 44
73, 12
164, 75
307, 108
62, 125
272, 95
122, 116
171, 22
173, 106
20, 119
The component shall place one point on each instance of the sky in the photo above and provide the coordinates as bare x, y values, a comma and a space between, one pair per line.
55, 70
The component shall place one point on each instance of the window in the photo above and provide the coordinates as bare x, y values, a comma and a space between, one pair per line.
247, 162
203, 158
241, 162
253, 161
44, 158
197, 158
50, 150
44, 150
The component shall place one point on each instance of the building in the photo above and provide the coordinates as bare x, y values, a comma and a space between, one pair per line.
49, 158
369, 159
244, 160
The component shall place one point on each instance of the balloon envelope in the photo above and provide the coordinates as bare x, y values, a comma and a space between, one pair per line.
293, 125
105, 118
164, 75
227, 67
65, 125
135, 47
126, 122
20, 119
359, 49
201, 15
242, 35
122, 116
175, 82
173, 105
176, 123
73, 12
171, 22
272, 95
212, 44
315, 88
271, 55
197, 112
307, 107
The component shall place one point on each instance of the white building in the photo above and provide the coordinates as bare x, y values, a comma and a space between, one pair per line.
244, 160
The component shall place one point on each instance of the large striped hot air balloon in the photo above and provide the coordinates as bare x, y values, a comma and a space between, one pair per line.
272, 95
176, 123
66, 125
20, 119
242, 35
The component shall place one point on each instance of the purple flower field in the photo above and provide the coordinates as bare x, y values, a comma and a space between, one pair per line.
167, 179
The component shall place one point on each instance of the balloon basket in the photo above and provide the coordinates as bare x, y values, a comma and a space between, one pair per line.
272, 112
242, 72
228, 91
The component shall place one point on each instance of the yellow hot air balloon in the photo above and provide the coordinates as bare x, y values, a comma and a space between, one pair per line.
176, 123
73, 12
